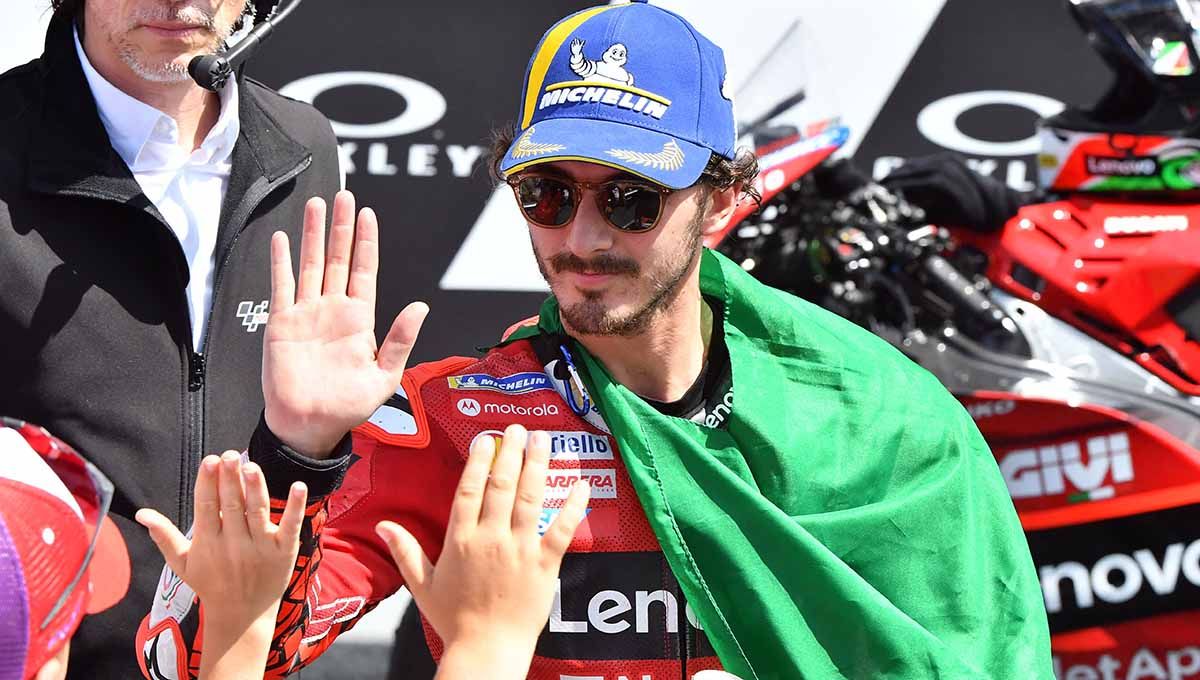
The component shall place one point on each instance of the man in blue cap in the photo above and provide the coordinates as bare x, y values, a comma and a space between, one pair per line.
774, 491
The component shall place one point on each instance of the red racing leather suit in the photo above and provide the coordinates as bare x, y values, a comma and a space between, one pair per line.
619, 613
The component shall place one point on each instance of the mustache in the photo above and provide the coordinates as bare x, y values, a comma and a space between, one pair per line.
186, 14
603, 264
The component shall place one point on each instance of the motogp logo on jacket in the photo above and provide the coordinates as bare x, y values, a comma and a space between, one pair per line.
253, 315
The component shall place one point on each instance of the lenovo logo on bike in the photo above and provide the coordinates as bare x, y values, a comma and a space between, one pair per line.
1132, 166
1110, 571
1172, 664
1118, 578
1061, 469
603, 482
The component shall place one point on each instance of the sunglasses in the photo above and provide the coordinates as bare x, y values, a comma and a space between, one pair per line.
82, 479
630, 206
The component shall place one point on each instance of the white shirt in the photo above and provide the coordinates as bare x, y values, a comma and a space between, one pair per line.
187, 188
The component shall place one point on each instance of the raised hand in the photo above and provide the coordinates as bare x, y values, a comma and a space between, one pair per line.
490, 594
322, 371
576, 48
238, 562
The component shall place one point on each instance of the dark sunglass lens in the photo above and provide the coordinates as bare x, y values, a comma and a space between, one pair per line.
546, 201
632, 207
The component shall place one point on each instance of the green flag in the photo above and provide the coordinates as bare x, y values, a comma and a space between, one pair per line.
850, 522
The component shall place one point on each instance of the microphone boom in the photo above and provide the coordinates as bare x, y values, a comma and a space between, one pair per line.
211, 71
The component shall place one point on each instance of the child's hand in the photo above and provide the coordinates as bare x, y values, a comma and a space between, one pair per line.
490, 595
238, 561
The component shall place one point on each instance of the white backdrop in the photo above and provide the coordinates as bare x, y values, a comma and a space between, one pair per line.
22, 31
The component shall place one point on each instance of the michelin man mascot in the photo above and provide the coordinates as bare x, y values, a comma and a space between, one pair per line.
611, 66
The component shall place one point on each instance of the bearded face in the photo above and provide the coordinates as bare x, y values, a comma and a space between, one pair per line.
613, 283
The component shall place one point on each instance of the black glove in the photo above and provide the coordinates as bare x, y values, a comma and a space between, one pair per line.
952, 194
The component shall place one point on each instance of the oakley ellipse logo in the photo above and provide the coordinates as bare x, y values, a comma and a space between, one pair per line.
939, 121
424, 106
378, 149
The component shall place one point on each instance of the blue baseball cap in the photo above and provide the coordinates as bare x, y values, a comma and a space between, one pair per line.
631, 86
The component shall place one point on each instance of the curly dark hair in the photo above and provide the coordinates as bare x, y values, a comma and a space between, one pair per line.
720, 173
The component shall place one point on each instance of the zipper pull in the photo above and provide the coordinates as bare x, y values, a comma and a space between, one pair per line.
195, 371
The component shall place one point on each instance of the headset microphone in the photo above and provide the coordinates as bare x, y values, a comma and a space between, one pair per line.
210, 71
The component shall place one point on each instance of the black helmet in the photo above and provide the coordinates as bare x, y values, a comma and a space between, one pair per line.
1152, 47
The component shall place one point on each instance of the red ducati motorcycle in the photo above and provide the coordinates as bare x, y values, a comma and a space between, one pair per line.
1068, 323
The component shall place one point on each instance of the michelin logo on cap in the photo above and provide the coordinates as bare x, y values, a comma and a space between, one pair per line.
604, 81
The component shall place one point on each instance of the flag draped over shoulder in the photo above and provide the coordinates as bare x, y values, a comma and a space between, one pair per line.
849, 523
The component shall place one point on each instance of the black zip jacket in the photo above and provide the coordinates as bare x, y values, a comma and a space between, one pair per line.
95, 336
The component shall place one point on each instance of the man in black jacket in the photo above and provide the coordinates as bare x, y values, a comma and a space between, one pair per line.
136, 212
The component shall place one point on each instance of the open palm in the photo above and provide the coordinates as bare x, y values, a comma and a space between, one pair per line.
322, 370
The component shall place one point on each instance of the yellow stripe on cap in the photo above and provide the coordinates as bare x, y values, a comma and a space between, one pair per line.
550, 46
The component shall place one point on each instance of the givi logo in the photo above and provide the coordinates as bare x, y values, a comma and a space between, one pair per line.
1061, 469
